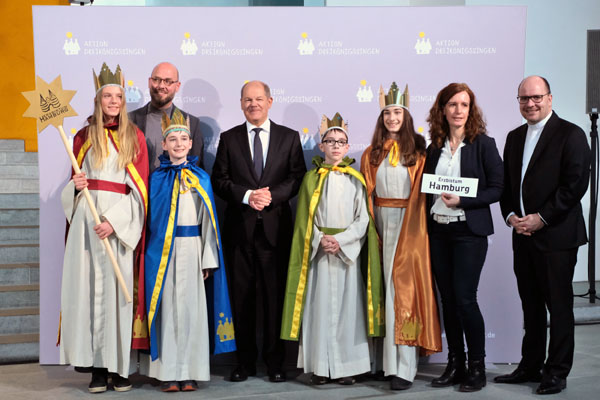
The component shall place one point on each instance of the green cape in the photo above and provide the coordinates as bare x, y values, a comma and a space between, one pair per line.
295, 292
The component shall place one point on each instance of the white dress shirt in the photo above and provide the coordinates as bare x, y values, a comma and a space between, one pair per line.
448, 165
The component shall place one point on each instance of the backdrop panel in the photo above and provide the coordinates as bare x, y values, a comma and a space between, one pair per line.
317, 61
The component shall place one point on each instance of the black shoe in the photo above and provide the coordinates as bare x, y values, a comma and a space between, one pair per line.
454, 373
519, 376
120, 384
398, 383
318, 380
99, 380
277, 376
551, 385
240, 374
475, 379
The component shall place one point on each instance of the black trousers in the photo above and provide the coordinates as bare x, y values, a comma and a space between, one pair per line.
258, 270
545, 280
457, 257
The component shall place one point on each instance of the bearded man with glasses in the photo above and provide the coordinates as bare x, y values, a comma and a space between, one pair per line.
163, 84
546, 172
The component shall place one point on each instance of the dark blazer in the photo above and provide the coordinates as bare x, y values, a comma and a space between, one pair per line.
233, 174
480, 160
556, 179
138, 117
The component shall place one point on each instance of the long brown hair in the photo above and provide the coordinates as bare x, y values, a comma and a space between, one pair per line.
129, 146
438, 124
411, 144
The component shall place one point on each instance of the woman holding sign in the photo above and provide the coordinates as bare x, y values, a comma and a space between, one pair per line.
393, 167
459, 226
96, 319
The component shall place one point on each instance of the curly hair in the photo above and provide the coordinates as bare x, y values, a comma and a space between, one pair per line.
438, 124
411, 144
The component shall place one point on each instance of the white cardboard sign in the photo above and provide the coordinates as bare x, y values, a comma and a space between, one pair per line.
438, 184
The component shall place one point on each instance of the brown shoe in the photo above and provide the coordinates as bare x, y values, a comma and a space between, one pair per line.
169, 386
188, 386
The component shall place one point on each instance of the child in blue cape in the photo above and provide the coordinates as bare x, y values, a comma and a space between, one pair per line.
183, 248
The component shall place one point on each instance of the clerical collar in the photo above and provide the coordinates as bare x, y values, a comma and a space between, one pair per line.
540, 124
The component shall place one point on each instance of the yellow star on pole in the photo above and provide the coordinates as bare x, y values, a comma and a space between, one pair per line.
49, 103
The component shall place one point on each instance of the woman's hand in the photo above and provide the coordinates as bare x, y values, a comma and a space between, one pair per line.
450, 200
104, 230
80, 181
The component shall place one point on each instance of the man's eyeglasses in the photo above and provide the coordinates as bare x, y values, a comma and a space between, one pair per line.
332, 142
537, 98
156, 80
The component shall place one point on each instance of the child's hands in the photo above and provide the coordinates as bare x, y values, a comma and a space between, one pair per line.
104, 230
80, 181
330, 244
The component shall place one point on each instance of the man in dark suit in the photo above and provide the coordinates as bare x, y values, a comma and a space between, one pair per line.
547, 166
258, 168
163, 84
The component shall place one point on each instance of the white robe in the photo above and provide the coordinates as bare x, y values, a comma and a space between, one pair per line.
334, 333
393, 182
182, 320
96, 320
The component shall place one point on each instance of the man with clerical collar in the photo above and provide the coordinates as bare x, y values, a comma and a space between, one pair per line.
163, 84
547, 169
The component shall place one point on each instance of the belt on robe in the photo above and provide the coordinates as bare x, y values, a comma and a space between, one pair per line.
331, 231
391, 203
187, 231
108, 186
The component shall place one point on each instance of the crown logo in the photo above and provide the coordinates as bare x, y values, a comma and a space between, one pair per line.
306, 46
188, 46
106, 77
225, 330
423, 46
364, 94
394, 97
177, 123
337, 122
71, 48
132, 93
140, 328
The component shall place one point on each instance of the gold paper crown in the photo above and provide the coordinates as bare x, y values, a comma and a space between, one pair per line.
106, 77
177, 123
337, 122
394, 97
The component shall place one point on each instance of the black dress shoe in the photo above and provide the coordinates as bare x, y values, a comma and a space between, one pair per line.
519, 376
551, 385
278, 376
120, 384
398, 383
240, 374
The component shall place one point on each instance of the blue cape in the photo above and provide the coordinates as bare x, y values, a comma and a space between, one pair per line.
161, 225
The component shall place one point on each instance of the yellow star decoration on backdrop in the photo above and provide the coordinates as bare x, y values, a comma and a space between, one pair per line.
49, 103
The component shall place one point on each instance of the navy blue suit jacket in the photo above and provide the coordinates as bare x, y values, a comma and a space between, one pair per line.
480, 160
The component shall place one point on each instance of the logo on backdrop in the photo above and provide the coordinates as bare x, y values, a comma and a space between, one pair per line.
71, 46
307, 140
364, 94
423, 45
133, 94
188, 46
306, 46
449, 47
